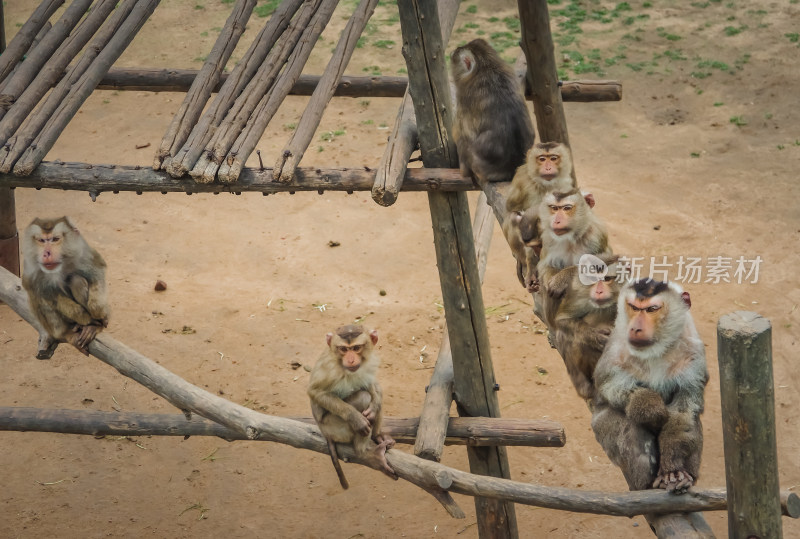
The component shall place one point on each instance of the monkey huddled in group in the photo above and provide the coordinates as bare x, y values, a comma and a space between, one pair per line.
66, 284
492, 127
346, 398
649, 388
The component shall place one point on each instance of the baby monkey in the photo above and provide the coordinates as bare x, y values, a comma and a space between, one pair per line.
346, 397
66, 283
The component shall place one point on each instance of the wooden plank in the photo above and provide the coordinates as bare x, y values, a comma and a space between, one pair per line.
22, 41
455, 253
744, 351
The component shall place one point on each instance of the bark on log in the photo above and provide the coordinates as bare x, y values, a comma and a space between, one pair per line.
747, 392
202, 86
423, 473
293, 152
185, 158
38, 39
479, 431
78, 94
115, 178
22, 41
264, 95
33, 63
180, 80
33, 124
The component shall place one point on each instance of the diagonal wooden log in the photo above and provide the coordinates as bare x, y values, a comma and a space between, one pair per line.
204, 83
435, 478
292, 154
185, 158
475, 431
42, 53
36, 40
81, 91
262, 97
21, 42
53, 69
32, 125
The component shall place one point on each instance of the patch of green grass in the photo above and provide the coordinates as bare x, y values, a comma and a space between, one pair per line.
367, 122
636, 66
713, 64
700, 74
512, 23
493, 19
738, 121
364, 103
384, 44
361, 41
375, 71
794, 37
403, 71
666, 35
740, 62
471, 25
503, 40
718, 103
199, 6
203, 34
733, 30
674, 55
694, 154
266, 9
200, 58
472, 9
290, 126
565, 39
320, 149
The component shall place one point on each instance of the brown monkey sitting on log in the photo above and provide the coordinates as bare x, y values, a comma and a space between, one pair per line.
492, 127
66, 284
650, 382
584, 310
346, 397
548, 168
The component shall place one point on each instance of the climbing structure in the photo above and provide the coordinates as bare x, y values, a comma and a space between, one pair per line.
205, 148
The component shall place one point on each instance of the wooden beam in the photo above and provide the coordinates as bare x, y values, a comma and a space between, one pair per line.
98, 179
747, 392
473, 373
479, 431
9, 238
22, 41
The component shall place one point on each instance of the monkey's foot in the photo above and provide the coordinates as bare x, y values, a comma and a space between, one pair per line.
677, 481
380, 455
48, 350
83, 336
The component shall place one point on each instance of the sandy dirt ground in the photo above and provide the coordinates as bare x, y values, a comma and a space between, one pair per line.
699, 159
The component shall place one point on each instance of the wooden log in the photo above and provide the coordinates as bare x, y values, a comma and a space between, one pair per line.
744, 351
114, 178
202, 86
537, 43
33, 63
404, 138
38, 39
22, 41
78, 94
293, 152
52, 70
9, 238
430, 476
435, 412
180, 80
455, 253
478, 431
17, 144
242, 74
264, 95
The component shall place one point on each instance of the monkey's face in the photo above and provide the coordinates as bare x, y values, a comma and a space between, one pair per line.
49, 249
604, 292
562, 214
645, 315
548, 165
350, 356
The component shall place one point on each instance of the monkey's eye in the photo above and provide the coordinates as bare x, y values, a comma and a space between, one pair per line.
342, 349
609, 278
554, 158
357, 348
41, 240
541, 158
653, 308
553, 209
568, 207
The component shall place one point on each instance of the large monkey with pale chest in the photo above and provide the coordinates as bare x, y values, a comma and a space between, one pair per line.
66, 283
649, 388
346, 398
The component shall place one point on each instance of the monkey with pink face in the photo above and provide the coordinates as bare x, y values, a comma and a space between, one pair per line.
650, 382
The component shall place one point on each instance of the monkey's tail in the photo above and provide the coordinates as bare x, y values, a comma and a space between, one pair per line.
337, 465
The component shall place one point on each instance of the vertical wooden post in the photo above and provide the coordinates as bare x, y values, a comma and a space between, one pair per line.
744, 350
537, 43
455, 253
9, 238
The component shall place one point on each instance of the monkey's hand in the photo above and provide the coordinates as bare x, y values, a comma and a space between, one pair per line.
646, 407
385, 439
677, 481
360, 424
370, 413
599, 338
533, 285
557, 285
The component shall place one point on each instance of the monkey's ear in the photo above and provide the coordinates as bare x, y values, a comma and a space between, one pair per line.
686, 299
373, 336
328, 338
589, 198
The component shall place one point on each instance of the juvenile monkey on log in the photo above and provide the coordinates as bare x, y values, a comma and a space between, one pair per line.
493, 128
66, 283
548, 168
582, 317
650, 382
346, 398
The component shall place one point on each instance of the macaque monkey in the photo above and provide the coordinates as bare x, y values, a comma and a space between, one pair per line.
492, 127
346, 398
66, 283
649, 388
548, 168
569, 230
582, 318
